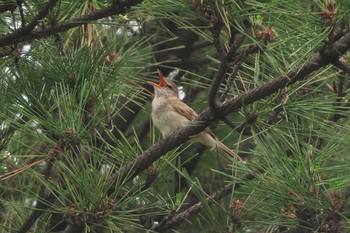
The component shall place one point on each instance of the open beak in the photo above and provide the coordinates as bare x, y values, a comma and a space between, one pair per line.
161, 81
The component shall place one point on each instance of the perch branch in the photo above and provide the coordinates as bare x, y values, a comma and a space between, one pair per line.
144, 160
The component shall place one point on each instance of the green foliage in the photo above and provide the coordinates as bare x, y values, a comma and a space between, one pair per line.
59, 101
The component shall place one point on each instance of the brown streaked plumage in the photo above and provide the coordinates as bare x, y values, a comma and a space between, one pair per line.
170, 113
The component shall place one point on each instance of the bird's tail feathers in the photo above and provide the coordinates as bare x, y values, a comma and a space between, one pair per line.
225, 150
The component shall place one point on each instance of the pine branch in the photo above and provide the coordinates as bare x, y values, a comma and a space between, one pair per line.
7, 6
331, 52
10, 38
43, 201
27, 34
342, 65
170, 222
43, 204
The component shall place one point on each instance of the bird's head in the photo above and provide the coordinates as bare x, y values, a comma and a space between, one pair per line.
165, 87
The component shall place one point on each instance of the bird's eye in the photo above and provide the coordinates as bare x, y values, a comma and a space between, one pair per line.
169, 86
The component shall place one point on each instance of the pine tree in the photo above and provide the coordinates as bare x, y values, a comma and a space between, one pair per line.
79, 152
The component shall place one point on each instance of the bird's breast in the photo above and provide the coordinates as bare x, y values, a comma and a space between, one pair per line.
165, 118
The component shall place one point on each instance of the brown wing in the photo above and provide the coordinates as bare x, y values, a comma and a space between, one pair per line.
188, 112
183, 109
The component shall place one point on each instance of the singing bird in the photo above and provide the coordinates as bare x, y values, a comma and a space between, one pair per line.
170, 113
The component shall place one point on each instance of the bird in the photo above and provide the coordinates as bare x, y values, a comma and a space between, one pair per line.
170, 113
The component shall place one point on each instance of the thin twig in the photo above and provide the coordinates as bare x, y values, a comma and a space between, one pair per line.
220, 74
216, 30
224, 65
15, 172
19, 5
233, 75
